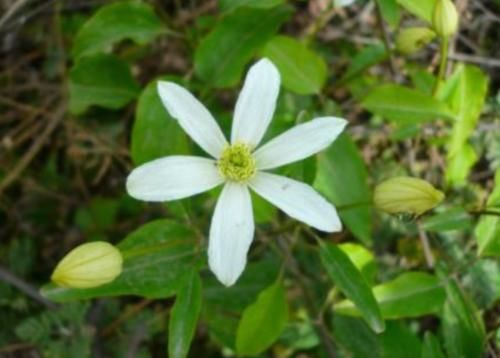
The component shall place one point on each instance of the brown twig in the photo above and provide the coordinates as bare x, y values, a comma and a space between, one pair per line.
109, 329
34, 149
429, 257
29, 290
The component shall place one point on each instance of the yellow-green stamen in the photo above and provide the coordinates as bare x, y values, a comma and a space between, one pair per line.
237, 163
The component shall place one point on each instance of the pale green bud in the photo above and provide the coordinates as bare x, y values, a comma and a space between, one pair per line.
412, 39
445, 18
406, 195
89, 265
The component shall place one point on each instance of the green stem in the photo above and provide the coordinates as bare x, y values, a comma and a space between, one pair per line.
442, 65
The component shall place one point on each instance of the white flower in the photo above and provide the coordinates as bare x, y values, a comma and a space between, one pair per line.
239, 166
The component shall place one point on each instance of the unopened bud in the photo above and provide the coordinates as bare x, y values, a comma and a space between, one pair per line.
445, 18
89, 265
413, 39
406, 195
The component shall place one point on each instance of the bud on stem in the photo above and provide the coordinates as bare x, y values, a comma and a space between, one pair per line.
445, 18
406, 195
88, 265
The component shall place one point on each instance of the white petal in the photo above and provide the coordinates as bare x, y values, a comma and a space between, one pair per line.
299, 142
193, 117
298, 200
231, 233
256, 103
173, 178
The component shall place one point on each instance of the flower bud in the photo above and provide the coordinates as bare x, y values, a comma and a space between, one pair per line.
406, 195
445, 18
412, 39
89, 265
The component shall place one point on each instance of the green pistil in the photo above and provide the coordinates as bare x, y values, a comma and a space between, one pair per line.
237, 163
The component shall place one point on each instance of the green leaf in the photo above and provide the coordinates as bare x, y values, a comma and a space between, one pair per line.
460, 164
482, 282
116, 22
487, 234
230, 5
99, 215
263, 321
390, 11
362, 259
420, 8
302, 70
44, 330
354, 336
342, 177
100, 80
462, 326
405, 105
487, 231
155, 133
411, 294
155, 257
469, 86
223, 306
352, 284
222, 55
453, 219
263, 211
364, 59
399, 341
184, 316
423, 80
431, 347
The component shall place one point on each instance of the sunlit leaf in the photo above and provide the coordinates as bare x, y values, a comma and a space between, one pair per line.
466, 99
405, 105
420, 8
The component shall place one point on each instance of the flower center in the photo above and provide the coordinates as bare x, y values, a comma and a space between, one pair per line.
237, 163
